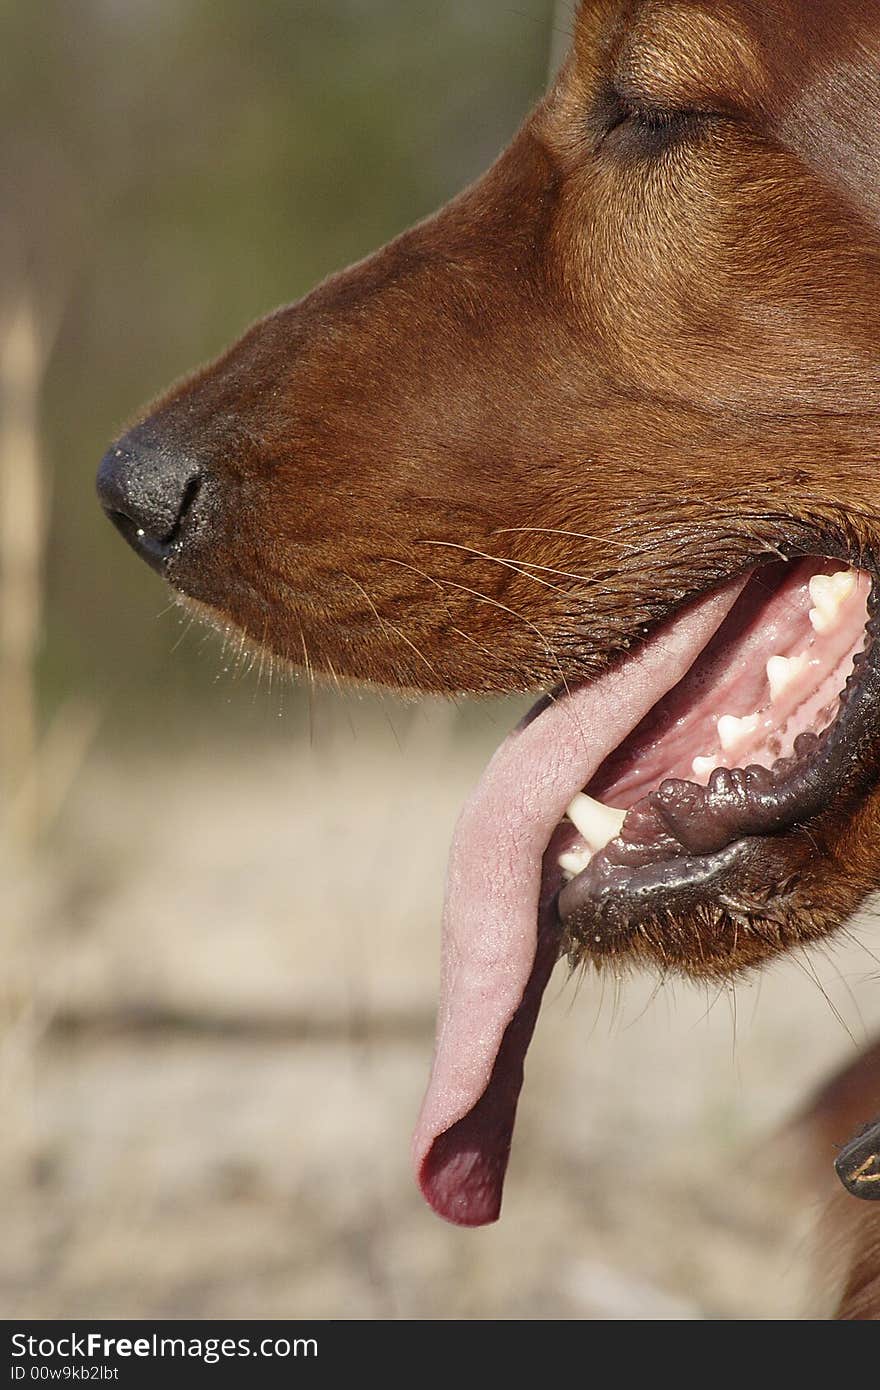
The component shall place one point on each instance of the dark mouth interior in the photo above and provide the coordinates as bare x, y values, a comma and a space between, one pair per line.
756, 738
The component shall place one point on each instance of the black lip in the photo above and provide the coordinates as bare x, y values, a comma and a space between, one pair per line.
682, 844
858, 1164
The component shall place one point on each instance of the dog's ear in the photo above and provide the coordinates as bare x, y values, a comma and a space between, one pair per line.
829, 110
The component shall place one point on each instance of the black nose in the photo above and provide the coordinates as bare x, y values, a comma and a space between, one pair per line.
148, 490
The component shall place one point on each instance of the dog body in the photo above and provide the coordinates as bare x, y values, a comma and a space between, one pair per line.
567, 436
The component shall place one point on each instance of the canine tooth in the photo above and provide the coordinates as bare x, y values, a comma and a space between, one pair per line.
574, 863
829, 592
783, 671
597, 823
732, 731
703, 767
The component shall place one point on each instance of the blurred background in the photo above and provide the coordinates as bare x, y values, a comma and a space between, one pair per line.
218, 947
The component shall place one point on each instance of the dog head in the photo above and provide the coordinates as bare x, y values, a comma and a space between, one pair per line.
606, 427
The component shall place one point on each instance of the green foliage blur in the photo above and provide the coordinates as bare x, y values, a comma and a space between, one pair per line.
172, 169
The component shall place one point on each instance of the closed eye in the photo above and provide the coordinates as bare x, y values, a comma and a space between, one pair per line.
640, 127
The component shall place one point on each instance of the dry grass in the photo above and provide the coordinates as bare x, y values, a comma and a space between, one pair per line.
22, 539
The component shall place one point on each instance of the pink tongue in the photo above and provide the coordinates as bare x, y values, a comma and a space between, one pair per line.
500, 933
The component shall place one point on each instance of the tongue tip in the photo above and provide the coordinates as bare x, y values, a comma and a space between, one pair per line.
461, 1187
462, 1143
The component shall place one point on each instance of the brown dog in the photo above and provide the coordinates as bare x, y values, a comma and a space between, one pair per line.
607, 426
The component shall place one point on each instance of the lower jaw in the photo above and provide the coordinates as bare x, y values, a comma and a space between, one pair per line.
710, 880
713, 918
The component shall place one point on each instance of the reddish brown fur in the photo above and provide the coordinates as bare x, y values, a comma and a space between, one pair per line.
860, 1229
638, 355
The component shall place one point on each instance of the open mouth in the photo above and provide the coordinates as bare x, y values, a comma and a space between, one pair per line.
643, 795
757, 738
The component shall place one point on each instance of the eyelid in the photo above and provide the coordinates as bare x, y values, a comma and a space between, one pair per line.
653, 117
638, 104
634, 93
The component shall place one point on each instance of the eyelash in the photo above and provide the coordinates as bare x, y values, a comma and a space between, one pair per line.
653, 121
655, 118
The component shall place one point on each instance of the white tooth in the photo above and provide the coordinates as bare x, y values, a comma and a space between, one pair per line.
819, 586
829, 592
703, 767
597, 823
574, 863
732, 731
783, 671
844, 582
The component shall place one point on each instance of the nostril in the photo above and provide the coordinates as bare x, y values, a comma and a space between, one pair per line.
148, 491
190, 493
